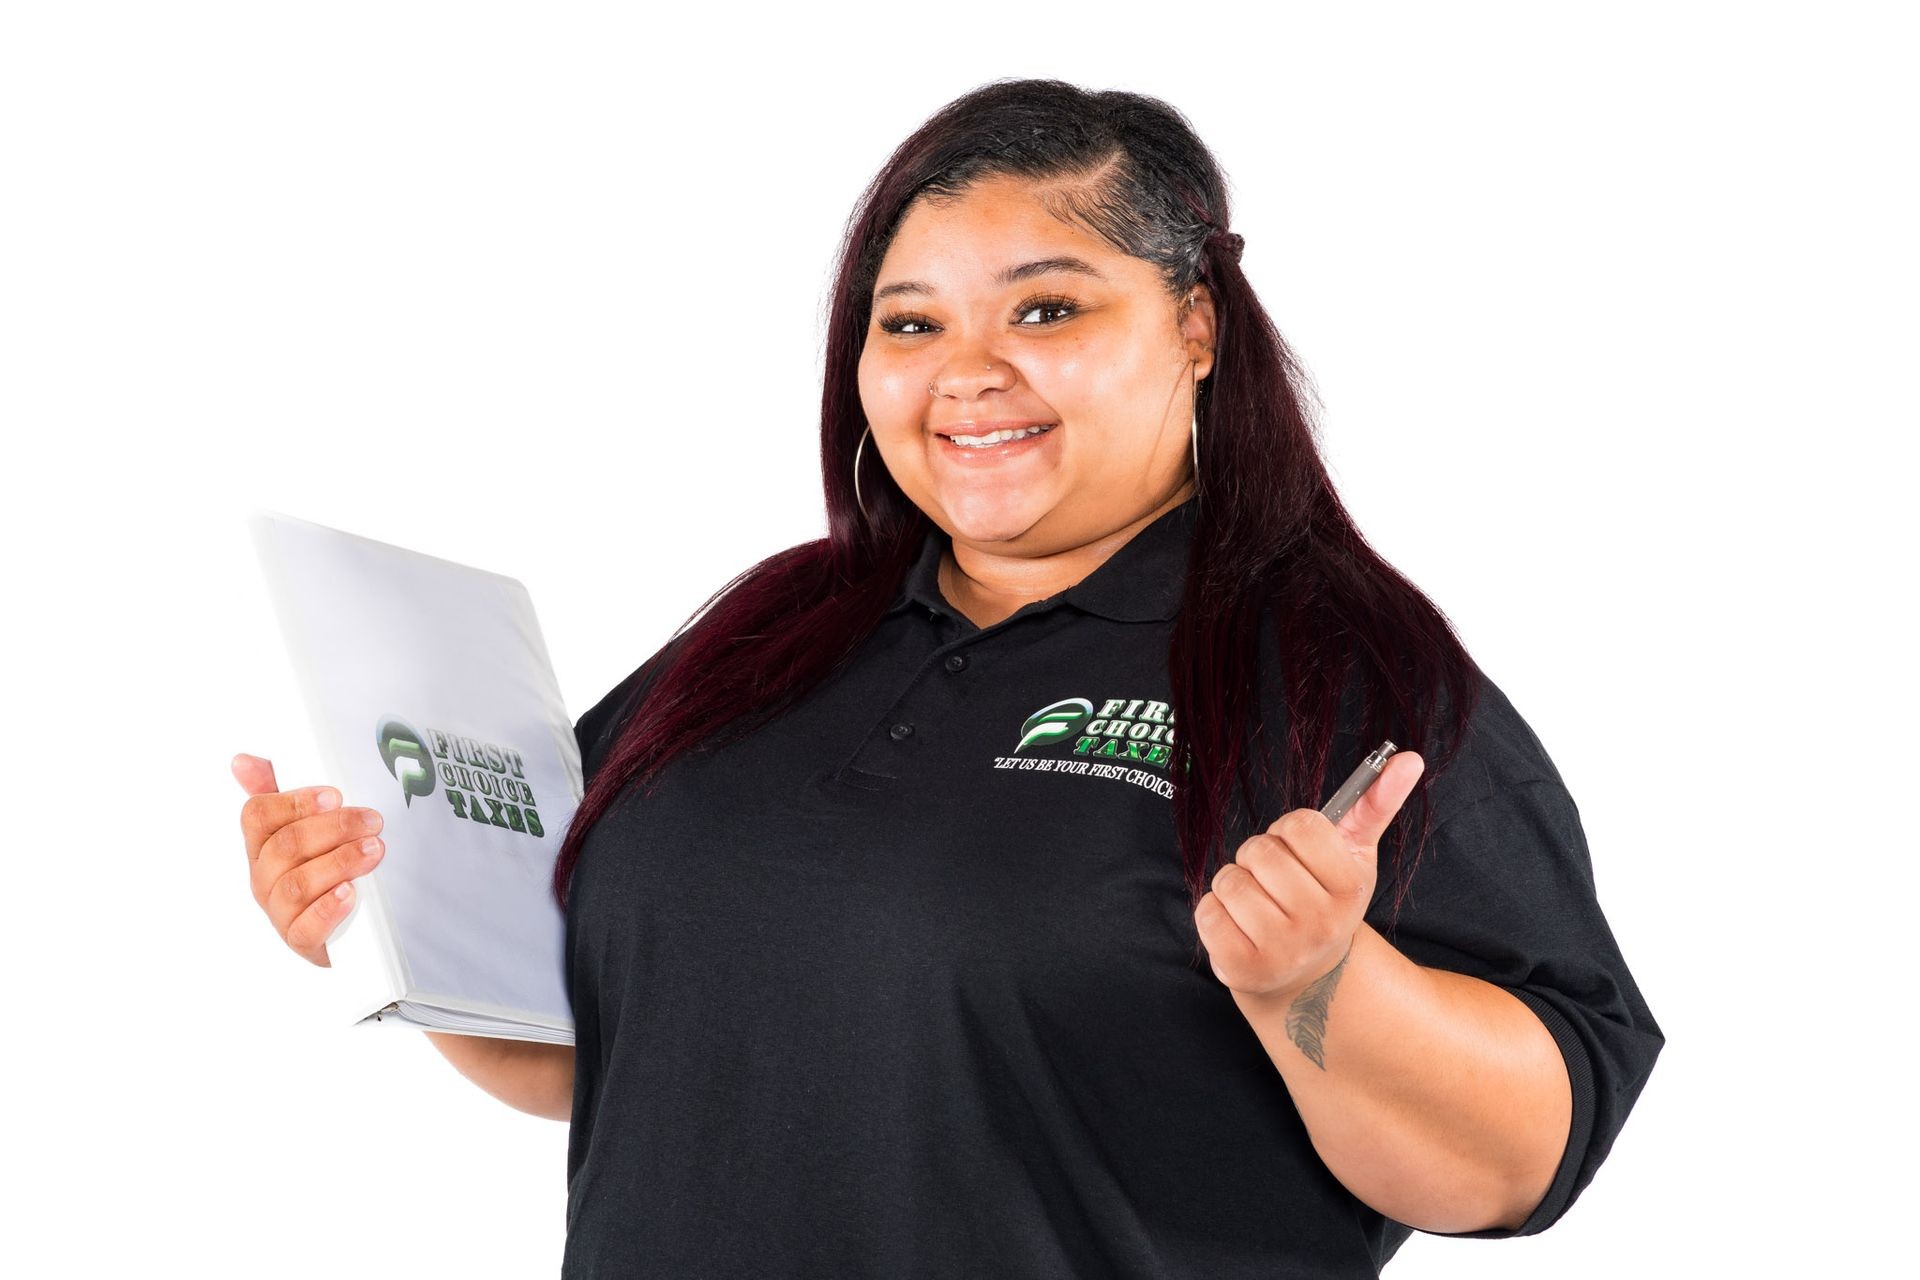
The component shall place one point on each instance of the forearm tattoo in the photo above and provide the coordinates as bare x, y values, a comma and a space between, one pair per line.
1307, 1018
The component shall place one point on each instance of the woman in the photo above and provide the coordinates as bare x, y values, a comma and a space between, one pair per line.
951, 897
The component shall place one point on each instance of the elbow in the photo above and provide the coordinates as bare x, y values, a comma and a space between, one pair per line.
543, 1099
1547, 1133
546, 1107
1516, 1170
549, 1085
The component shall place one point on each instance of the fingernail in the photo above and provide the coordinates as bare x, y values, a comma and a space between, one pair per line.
345, 890
370, 845
326, 798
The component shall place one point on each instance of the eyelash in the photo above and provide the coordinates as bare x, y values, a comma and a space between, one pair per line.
1049, 302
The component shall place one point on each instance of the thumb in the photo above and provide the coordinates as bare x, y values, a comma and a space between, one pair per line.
255, 773
1367, 821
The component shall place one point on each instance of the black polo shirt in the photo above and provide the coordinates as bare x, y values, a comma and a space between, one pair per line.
900, 984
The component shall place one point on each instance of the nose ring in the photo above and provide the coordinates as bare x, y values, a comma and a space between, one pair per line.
932, 392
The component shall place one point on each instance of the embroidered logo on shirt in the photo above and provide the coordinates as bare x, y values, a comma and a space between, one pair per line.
1125, 731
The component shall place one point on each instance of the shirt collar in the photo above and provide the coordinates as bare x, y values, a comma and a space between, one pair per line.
1141, 582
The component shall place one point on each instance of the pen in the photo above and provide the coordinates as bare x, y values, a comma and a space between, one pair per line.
1357, 783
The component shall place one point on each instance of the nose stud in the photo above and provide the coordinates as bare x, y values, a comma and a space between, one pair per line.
932, 391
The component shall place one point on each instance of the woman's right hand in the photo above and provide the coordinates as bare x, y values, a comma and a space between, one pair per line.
304, 851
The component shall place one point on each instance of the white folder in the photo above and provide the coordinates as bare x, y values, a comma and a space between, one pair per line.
433, 700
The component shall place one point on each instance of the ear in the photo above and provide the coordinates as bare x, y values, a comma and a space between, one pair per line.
1197, 328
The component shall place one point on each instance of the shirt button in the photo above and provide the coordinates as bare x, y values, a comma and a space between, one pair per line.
900, 731
957, 662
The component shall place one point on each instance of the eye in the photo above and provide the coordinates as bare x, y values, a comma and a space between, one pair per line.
899, 321
1048, 304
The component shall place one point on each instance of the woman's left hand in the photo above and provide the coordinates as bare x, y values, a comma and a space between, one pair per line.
1284, 912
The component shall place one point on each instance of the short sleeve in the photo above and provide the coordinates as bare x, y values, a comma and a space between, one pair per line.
1504, 891
596, 730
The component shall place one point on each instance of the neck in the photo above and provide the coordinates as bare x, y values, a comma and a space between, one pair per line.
987, 587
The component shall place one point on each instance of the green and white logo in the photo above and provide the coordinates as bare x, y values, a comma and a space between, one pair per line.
404, 752
1139, 730
482, 782
1114, 742
1050, 724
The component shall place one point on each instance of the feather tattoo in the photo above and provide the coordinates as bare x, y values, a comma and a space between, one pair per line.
1307, 1018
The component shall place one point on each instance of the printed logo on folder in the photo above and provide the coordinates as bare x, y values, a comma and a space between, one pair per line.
482, 782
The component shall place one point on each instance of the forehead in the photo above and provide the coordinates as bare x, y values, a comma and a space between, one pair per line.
1000, 204
997, 233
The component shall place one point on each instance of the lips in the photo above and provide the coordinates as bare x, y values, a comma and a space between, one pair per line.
967, 457
986, 426
998, 439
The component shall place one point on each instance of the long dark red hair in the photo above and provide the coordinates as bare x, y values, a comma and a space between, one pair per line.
1272, 548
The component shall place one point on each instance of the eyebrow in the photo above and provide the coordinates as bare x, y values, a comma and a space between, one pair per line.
1012, 275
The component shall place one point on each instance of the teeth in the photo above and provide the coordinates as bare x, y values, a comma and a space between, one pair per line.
997, 437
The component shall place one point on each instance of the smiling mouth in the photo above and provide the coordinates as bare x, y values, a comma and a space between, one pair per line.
992, 440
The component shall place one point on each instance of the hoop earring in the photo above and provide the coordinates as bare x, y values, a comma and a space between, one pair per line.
856, 472
1196, 438
1195, 433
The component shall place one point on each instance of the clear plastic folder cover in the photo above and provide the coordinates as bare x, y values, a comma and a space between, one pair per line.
434, 701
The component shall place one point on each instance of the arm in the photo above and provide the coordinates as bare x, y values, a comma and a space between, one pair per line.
1438, 1099
529, 1077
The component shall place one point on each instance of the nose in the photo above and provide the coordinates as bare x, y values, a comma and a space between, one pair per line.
964, 379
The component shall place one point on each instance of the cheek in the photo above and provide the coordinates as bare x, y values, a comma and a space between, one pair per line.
1093, 387
890, 390
1068, 367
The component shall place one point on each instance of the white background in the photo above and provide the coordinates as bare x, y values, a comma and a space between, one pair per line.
1612, 311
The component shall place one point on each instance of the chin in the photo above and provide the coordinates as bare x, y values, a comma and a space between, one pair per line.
984, 516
